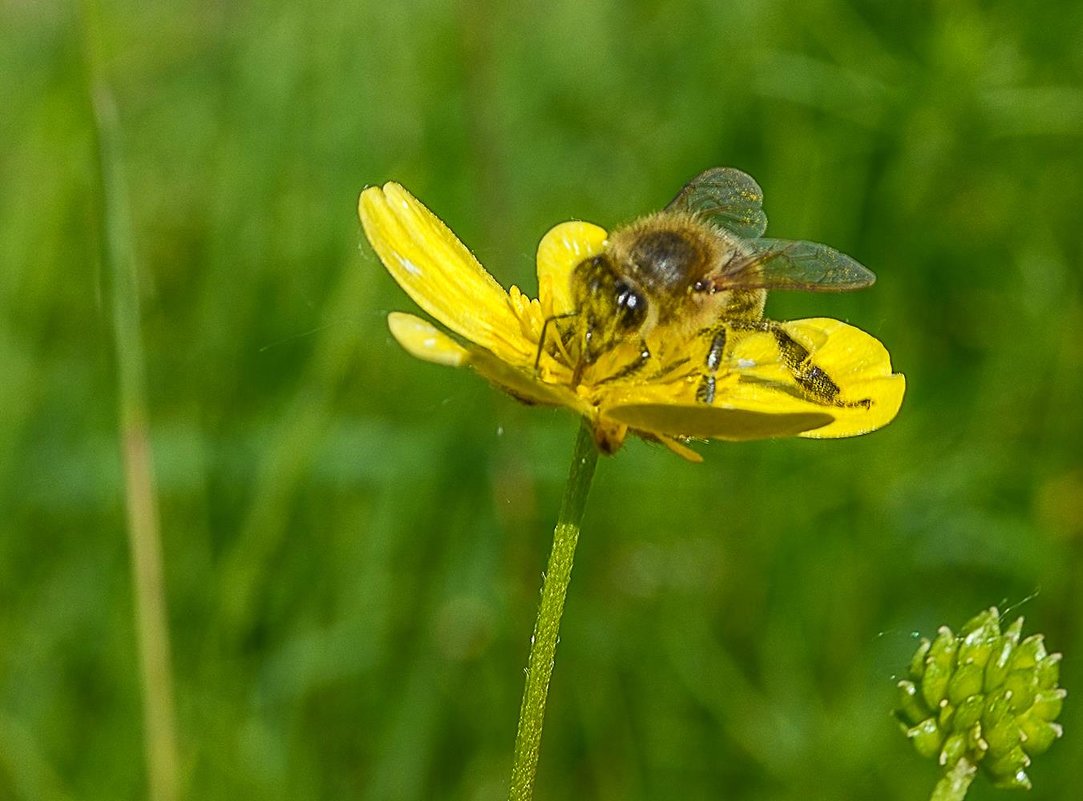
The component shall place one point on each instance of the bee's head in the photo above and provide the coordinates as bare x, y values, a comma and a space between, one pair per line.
600, 290
614, 308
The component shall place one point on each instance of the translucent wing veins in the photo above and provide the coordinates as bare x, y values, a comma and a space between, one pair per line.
785, 264
726, 196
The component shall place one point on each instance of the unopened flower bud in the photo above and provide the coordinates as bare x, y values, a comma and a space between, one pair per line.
927, 737
910, 708
984, 696
939, 666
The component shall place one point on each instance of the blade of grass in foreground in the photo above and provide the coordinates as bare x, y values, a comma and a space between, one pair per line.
140, 494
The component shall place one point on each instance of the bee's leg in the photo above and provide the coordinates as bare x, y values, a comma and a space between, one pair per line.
811, 378
706, 389
541, 339
745, 304
633, 367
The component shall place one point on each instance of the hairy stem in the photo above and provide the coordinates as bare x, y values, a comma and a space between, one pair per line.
547, 628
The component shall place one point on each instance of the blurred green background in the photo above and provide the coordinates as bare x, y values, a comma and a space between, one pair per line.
353, 540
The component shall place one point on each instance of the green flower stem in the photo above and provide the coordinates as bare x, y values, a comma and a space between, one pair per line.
954, 784
543, 644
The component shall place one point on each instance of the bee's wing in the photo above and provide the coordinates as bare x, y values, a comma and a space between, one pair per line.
725, 196
782, 264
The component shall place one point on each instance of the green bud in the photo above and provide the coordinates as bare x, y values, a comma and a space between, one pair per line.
986, 697
969, 712
939, 665
1008, 769
927, 737
1048, 703
979, 636
1003, 648
955, 748
1017, 781
917, 664
1029, 653
998, 706
1048, 671
1039, 735
910, 710
944, 716
966, 682
1023, 685
1003, 737
984, 620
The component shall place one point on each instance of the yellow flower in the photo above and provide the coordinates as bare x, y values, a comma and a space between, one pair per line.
498, 333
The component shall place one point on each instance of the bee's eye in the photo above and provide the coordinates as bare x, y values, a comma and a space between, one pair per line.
631, 305
701, 286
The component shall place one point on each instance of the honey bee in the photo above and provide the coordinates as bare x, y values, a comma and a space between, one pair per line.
701, 267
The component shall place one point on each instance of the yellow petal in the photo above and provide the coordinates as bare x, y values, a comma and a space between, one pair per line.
422, 339
439, 273
560, 250
861, 366
521, 383
886, 395
758, 396
716, 422
856, 361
